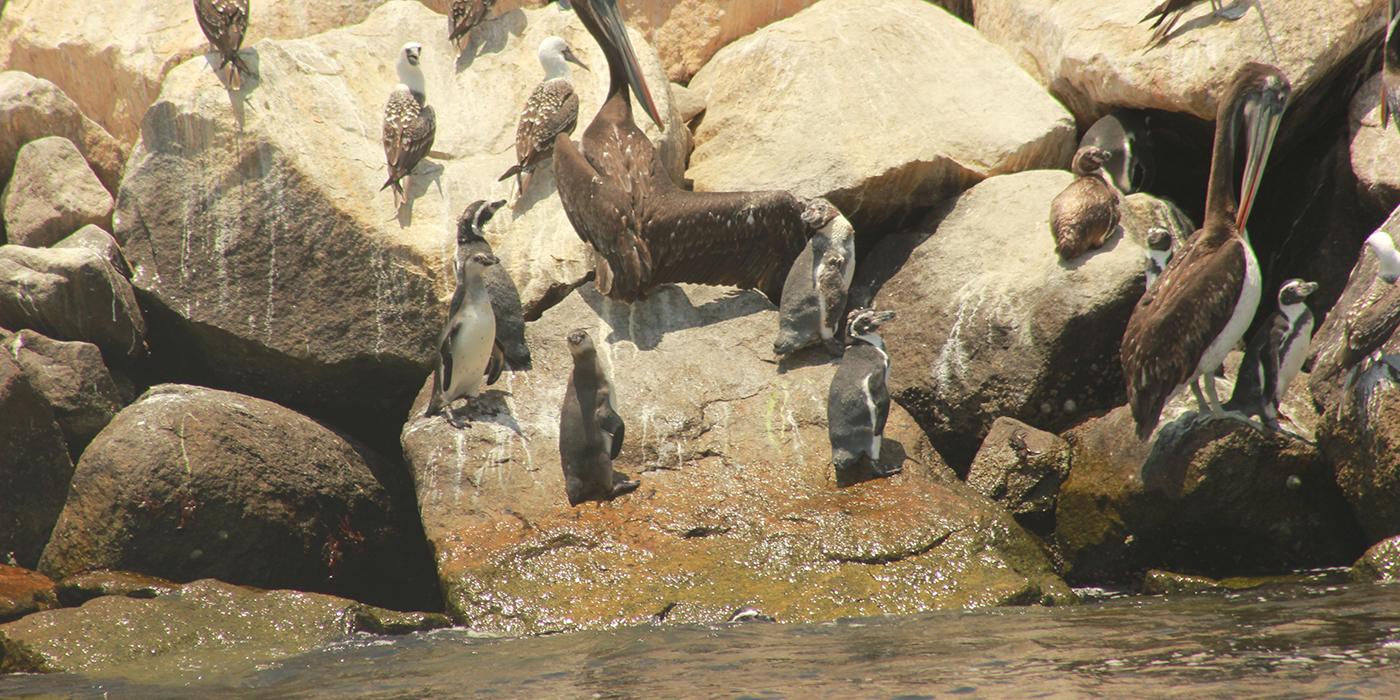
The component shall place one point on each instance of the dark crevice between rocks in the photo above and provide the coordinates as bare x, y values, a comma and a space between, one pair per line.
896, 556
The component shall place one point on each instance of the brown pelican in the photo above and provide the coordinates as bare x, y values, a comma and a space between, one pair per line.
1084, 215
552, 109
1176, 8
1205, 299
644, 230
1390, 67
225, 22
409, 123
463, 17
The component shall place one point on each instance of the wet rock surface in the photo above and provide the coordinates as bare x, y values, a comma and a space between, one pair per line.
1021, 468
32, 108
1380, 563
34, 466
51, 193
23, 592
71, 294
80, 588
737, 504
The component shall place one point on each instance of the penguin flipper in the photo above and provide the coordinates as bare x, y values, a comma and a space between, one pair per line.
611, 423
445, 357
496, 364
1278, 335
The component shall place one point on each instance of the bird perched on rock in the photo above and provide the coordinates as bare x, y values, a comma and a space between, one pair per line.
409, 123
814, 295
1369, 328
590, 430
463, 17
225, 22
552, 109
1275, 355
505, 297
467, 347
1170, 11
1161, 245
1084, 215
858, 402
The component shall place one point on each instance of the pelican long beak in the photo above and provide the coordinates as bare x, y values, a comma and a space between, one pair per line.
1262, 116
610, 22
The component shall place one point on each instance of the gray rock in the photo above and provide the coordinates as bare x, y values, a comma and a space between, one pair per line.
71, 294
97, 240
32, 108
1374, 150
51, 193
34, 466
72, 379
1021, 468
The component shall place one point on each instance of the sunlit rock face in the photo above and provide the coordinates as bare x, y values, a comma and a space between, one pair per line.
1375, 150
32, 108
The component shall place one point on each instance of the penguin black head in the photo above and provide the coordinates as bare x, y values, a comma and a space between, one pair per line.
866, 321
1089, 159
1294, 291
580, 344
471, 225
819, 213
1159, 238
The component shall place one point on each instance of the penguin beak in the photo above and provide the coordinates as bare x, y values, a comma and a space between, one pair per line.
1263, 113
1307, 288
489, 210
610, 23
490, 260
571, 57
882, 317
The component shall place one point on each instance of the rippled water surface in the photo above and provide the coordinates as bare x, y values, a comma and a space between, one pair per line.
1295, 641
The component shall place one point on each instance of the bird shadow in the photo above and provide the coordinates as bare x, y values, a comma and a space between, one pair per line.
490, 36
251, 81
492, 408
1211, 18
539, 187
423, 175
668, 309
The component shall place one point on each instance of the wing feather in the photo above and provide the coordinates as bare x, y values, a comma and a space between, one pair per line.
409, 130
552, 109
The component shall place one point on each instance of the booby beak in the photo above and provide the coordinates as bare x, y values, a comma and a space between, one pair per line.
612, 26
1262, 113
573, 58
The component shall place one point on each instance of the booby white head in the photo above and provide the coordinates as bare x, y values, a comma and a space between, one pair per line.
410, 74
555, 55
1383, 246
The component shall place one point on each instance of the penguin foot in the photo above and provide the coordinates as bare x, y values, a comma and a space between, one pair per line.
455, 418
624, 487
882, 472
834, 348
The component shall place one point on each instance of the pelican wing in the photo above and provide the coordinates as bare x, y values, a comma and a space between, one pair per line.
603, 215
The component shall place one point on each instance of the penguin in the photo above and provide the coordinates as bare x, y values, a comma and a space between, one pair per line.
1084, 215
590, 430
858, 402
505, 297
1132, 162
818, 284
1160, 248
467, 347
1275, 355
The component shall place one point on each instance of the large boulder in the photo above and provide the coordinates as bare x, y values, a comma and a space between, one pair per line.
296, 282
73, 380
687, 33
71, 294
23, 592
738, 503
190, 482
99, 241
1021, 468
34, 466
882, 106
32, 108
208, 629
1375, 150
993, 323
110, 56
52, 193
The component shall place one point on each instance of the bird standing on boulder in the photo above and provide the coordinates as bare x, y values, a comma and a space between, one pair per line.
409, 123
552, 109
505, 297
463, 17
1275, 355
1084, 215
467, 347
225, 22
590, 430
858, 402
1176, 8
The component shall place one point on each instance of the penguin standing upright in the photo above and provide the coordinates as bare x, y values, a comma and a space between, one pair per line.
1275, 355
1160, 248
467, 347
590, 430
505, 297
858, 402
818, 283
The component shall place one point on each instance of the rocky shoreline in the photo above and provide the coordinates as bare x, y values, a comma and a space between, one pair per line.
215, 341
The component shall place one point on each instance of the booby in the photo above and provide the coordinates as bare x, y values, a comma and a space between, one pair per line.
463, 17
1382, 244
552, 109
225, 22
467, 347
644, 229
1203, 303
858, 402
1132, 163
409, 123
1177, 8
1390, 66
1084, 215
1160, 248
505, 296
1367, 329
1275, 355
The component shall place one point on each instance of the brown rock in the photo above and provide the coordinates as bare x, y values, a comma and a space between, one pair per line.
32, 108
23, 592
34, 467
95, 239
71, 294
1021, 468
1375, 151
52, 193
72, 379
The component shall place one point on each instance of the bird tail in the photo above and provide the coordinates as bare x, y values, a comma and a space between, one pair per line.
400, 198
513, 171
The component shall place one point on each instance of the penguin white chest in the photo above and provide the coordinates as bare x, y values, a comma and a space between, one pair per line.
1245, 305
1293, 353
471, 349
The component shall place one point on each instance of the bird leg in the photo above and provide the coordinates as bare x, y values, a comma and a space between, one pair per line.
1201, 406
1231, 13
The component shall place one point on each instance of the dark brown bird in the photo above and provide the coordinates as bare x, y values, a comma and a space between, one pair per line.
409, 124
552, 109
1084, 215
644, 229
1204, 301
225, 22
463, 17
1170, 11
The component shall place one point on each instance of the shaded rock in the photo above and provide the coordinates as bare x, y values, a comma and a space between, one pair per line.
190, 482
1374, 151
51, 193
1158, 582
32, 108
23, 592
323, 301
966, 111
208, 629
1380, 563
34, 466
1021, 468
73, 380
80, 588
113, 76
71, 294
95, 239
737, 503
993, 323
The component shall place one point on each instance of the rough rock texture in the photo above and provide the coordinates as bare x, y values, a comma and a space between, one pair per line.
1374, 151
71, 294
23, 592
80, 588
1380, 563
1158, 582
836, 80
95, 239
689, 32
114, 76
992, 323
51, 193
737, 503
1021, 468
73, 380
1094, 56
208, 629
191, 482
32, 108
325, 302
34, 466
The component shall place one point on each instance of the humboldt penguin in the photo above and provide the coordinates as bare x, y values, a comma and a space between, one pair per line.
1161, 245
463, 17
1132, 163
644, 229
1176, 8
505, 297
814, 295
409, 123
1204, 301
225, 22
467, 347
858, 402
1084, 215
590, 430
552, 109
1390, 66
1275, 355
